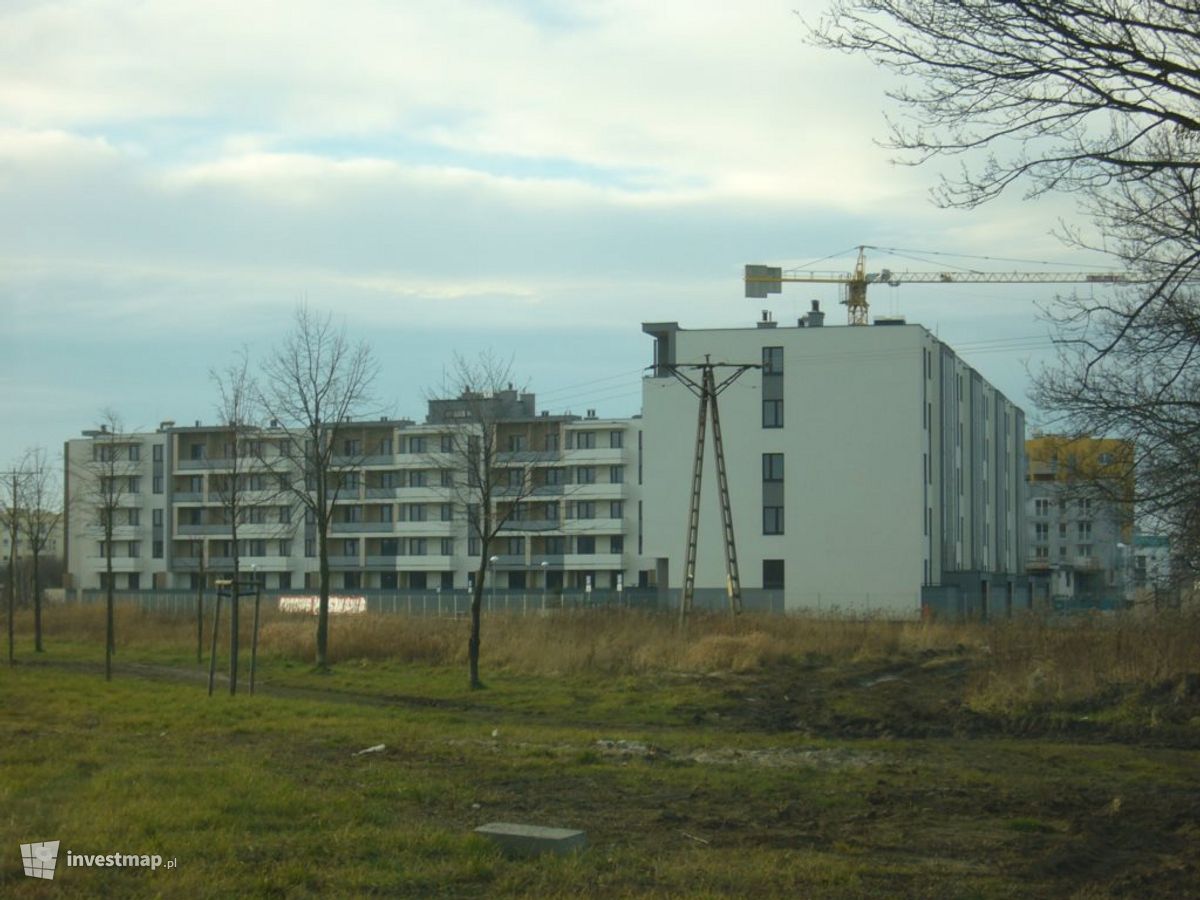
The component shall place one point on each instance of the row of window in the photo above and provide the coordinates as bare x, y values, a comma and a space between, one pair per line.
1041, 551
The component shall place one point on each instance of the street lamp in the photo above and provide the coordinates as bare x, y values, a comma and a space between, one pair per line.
492, 560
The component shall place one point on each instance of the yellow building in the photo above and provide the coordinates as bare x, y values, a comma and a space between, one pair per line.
1080, 513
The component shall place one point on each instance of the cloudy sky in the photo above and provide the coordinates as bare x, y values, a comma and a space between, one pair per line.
529, 176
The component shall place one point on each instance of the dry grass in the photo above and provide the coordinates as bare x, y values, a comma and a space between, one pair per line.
1018, 664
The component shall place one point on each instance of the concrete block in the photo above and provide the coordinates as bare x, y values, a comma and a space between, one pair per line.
532, 840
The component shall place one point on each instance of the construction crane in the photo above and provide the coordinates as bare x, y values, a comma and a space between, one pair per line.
764, 280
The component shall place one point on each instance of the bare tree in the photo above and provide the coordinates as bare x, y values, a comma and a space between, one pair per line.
239, 486
40, 514
492, 462
10, 517
1100, 100
103, 478
314, 383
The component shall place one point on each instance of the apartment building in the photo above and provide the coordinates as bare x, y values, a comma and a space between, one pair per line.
870, 470
1080, 520
400, 519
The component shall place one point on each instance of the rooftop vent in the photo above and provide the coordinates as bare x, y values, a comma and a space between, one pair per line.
766, 321
815, 318
591, 414
165, 424
890, 320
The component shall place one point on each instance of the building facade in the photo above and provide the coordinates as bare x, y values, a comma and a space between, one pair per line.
870, 470
400, 518
1080, 514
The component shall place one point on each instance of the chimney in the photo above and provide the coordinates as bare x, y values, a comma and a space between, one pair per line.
766, 321
815, 317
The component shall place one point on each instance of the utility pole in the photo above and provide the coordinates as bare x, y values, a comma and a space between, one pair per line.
707, 390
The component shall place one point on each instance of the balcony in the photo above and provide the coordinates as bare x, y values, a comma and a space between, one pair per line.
381, 493
361, 527
119, 563
532, 525
202, 529
187, 497
200, 465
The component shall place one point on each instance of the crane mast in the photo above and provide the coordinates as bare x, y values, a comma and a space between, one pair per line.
764, 280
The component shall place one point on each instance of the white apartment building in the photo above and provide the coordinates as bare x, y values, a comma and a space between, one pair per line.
870, 470
398, 522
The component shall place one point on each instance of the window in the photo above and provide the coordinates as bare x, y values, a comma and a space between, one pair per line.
616, 439
772, 360
585, 440
585, 474
416, 478
555, 546
772, 574
389, 547
198, 451
616, 509
135, 485
585, 509
1041, 507
551, 512
385, 447
415, 512
616, 474
472, 548
772, 520
156, 484
416, 444
310, 547
350, 547
195, 516
385, 513
285, 515
772, 464
156, 518
352, 580
417, 547
285, 548
135, 516
516, 443
1084, 550
156, 549
135, 581
135, 549
256, 515
585, 544
447, 478
1041, 552
616, 544
156, 452
1085, 530
1041, 531
447, 512
515, 546
351, 513
552, 441
135, 453
516, 479
447, 547
447, 443
554, 476
772, 413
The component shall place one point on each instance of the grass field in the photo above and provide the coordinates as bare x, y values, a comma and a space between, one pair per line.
774, 757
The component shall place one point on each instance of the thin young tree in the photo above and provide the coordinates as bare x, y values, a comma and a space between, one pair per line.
237, 488
1100, 101
103, 479
490, 479
40, 514
314, 383
10, 506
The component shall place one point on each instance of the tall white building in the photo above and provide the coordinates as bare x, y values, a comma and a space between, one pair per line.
870, 469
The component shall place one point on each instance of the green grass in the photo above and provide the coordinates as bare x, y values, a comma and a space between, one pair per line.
862, 771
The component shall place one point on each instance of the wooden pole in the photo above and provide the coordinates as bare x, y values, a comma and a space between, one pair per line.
254, 636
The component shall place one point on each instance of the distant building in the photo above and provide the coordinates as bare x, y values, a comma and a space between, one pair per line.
396, 524
1080, 509
870, 470
51, 526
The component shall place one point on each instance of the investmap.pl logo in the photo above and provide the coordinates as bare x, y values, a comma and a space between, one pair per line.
40, 859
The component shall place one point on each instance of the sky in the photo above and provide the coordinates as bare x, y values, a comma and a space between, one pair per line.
531, 178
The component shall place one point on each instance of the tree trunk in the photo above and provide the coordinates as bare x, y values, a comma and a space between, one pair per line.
109, 639
323, 609
473, 643
37, 600
200, 612
234, 598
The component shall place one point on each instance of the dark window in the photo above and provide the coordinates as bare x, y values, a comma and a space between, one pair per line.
772, 413
585, 544
616, 439
387, 581
617, 544
772, 579
772, 520
772, 360
157, 484
772, 464
157, 549
157, 452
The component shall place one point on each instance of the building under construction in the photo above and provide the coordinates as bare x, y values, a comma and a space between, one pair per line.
869, 470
